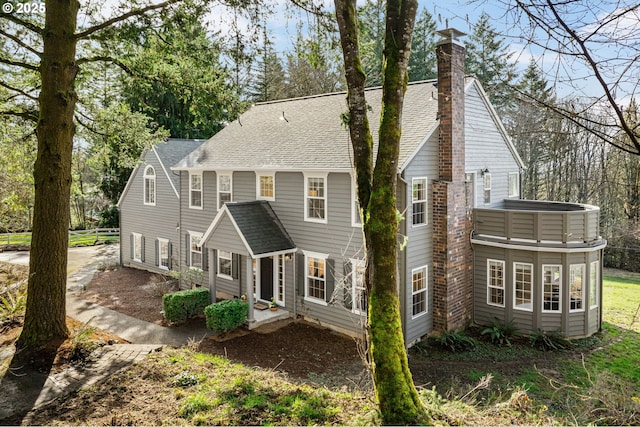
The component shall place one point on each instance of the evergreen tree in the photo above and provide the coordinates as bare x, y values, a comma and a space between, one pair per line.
422, 63
371, 26
175, 76
529, 127
270, 82
489, 60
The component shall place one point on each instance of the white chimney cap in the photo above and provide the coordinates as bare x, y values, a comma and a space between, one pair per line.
450, 35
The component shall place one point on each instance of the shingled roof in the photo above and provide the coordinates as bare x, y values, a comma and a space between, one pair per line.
258, 227
172, 151
308, 133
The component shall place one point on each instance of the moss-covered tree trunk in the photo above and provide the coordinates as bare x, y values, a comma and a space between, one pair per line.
397, 396
46, 311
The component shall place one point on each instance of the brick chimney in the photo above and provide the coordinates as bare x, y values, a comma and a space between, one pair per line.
452, 257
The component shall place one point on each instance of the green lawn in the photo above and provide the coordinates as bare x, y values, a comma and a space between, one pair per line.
89, 239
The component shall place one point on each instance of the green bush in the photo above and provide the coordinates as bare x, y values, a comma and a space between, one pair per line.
182, 305
226, 315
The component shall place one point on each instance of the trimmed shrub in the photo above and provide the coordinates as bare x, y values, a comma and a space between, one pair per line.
182, 305
226, 315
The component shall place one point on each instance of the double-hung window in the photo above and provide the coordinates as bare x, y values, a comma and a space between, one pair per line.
522, 286
224, 189
358, 292
419, 200
419, 291
487, 188
495, 282
266, 186
195, 190
225, 264
163, 254
594, 284
315, 198
551, 288
576, 287
137, 249
315, 277
514, 184
149, 186
195, 250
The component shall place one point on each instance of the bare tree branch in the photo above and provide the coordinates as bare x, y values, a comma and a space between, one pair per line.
27, 115
28, 25
19, 64
20, 43
19, 91
130, 14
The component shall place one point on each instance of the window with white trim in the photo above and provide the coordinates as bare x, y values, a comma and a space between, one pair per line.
224, 189
576, 287
551, 288
315, 277
149, 186
419, 291
138, 247
195, 250
522, 286
195, 190
495, 282
315, 198
487, 188
225, 264
514, 184
358, 293
163, 253
281, 280
594, 284
266, 186
419, 201
356, 218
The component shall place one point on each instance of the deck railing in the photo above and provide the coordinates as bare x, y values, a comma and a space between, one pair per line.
538, 223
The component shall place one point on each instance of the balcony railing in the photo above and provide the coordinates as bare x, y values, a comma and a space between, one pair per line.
539, 223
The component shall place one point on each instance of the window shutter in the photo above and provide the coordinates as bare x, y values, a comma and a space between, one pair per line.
348, 285
300, 273
235, 258
131, 249
142, 246
170, 249
157, 242
187, 249
205, 258
330, 279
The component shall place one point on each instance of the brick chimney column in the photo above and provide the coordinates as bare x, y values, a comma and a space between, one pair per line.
452, 257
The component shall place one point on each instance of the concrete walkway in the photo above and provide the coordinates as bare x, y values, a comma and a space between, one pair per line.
22, 392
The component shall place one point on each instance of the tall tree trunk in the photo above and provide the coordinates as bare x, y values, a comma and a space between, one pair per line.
397, 396
46, 312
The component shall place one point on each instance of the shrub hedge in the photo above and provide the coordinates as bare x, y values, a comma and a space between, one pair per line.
226, 315
182, 305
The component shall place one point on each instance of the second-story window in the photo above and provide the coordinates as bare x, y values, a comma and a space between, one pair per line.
315, 195
150, 186
195, 190
224, 189
266, 186
419, 201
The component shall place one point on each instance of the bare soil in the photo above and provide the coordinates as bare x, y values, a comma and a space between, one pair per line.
300, 349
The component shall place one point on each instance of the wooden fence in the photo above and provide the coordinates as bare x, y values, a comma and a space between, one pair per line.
76, 237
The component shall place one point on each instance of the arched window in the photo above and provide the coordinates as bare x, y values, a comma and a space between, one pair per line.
149, 186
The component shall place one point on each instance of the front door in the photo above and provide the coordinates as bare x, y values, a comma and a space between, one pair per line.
266, 278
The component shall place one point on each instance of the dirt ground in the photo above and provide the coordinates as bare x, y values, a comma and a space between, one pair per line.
300, 349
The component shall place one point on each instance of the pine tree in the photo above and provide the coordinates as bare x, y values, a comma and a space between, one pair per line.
269, 83
422, 63
371, 27
488, 59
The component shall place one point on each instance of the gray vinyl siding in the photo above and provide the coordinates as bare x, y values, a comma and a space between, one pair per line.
485, 148
152, 222
338, 238
227, 237
573, 324
419, 249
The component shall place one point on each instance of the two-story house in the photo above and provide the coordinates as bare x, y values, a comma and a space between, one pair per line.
268, 210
